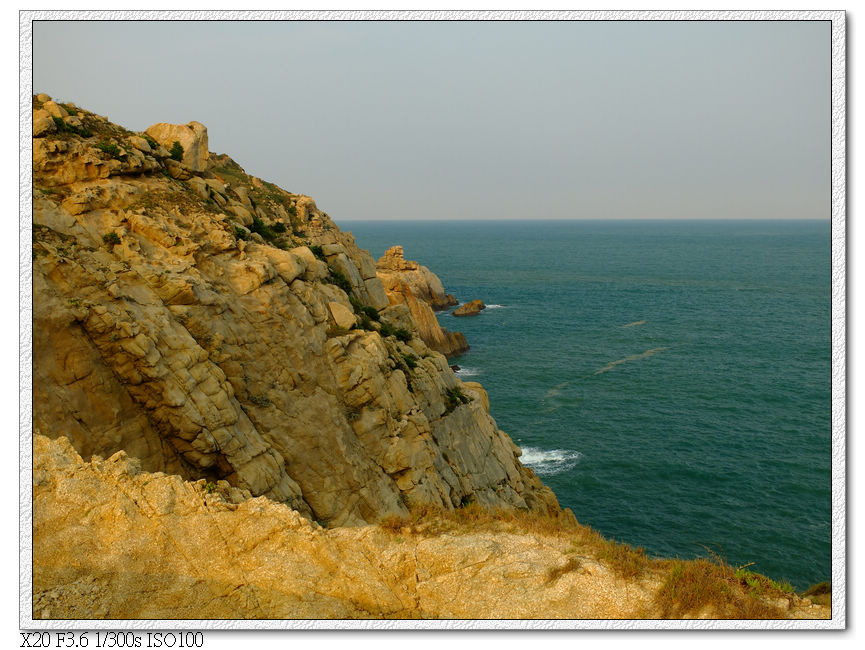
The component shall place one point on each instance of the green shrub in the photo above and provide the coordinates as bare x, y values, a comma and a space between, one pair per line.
454, 397
338, 279
63, 127
240, 233
111, 238
365, 323
370, 312
176, 152
150, 141
410, 360
279, 227
110, 148
403, 335
262, 229
387, 329
318, 252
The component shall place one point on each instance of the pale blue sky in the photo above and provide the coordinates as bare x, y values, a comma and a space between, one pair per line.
411, 120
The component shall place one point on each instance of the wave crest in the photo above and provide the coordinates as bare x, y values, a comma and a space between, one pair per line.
546, 462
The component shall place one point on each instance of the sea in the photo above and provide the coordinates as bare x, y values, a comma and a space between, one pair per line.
669, 380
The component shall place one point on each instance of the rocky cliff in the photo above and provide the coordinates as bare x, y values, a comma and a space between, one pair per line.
215, 326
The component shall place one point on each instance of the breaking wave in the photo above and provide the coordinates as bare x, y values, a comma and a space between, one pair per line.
467, 372
495, 306
547, 462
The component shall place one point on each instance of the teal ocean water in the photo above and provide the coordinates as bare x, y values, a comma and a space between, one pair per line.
669, 380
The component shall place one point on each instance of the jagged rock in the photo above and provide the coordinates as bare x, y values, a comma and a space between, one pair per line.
472, 308
192, 137
407, 282
424, 284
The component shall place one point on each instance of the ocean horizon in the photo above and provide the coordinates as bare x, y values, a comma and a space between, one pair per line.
668, 379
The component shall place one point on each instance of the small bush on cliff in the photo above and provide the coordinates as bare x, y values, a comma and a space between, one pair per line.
240, 233
110, 148
258, 226
410, 360
63, 127
176, 152
371, 312
111, 238
454, 397
338, 279
403, 335
318, 252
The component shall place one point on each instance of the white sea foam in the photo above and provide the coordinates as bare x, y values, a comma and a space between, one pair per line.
467, 372
549, 461
495, 306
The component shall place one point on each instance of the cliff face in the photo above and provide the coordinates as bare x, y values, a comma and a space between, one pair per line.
215, 326
408, 283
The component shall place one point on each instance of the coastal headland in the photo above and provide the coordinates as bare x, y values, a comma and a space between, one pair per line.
238, 413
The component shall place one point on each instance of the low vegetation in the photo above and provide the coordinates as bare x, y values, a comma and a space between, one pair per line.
176, 152
65, 127
455, 397
111, 238
110, 148
688, 588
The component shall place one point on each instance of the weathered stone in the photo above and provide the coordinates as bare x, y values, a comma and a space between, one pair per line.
342, 316
55, 109
177, 170
192, 137
43, 123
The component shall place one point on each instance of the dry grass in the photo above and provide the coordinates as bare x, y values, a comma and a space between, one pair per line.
434, 520
622, 559
711, 587
820, 594
689, 588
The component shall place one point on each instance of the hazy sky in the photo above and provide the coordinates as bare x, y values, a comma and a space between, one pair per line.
480, 119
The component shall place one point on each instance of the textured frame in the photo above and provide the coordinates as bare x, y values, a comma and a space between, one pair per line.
838, 321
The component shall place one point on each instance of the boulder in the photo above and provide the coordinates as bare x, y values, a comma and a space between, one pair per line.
192, 137
342, 315
42, 123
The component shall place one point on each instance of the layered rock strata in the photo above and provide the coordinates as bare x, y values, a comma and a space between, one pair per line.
408, 283
217, 327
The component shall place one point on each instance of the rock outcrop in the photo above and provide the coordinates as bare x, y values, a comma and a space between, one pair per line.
408, 283
217, 327
471, 308
192, 137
